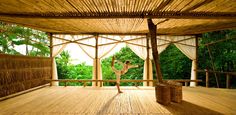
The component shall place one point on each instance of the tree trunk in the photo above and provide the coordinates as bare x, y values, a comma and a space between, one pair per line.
152, 30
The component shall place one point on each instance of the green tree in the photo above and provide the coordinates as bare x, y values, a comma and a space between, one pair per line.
66, 70
12, 35
174, 64
223, 54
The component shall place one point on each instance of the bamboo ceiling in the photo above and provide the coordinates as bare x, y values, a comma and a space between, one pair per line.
120, 16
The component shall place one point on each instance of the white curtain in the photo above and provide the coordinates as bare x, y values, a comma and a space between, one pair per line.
162, 43
105, 46
141, 50
139, 47
56, 50
187, 46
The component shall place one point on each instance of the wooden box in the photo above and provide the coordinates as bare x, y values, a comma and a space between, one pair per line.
163, 93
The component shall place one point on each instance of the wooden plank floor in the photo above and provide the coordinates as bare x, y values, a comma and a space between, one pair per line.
79, 100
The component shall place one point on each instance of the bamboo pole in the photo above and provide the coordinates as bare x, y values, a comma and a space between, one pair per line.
196, 65
96, 59
152, 30
135, 81
227, 81
219, 72
211, 43
105, 15
51, 52
207, 78
213, 66
147, 38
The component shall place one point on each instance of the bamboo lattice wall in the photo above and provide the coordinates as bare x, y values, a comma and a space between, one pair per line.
18, 73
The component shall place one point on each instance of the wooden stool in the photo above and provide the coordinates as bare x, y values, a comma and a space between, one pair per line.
163, 93
175, 91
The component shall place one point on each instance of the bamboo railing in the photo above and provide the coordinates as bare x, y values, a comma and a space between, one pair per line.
65, 81
227, 74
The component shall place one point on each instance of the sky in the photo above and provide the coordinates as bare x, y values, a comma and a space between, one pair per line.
77, 55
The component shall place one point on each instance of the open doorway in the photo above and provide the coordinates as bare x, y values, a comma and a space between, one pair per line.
125, 54
74, 64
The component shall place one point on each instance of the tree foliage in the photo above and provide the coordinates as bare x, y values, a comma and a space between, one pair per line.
223, 55
66, 70
13, 35
174, 64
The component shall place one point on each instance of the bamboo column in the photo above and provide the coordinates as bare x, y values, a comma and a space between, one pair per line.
51, 52
207, 78
213, 66
96, 59
227, 81
152, 30
148, 77
196, 63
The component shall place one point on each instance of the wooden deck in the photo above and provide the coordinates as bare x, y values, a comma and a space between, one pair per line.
79, 100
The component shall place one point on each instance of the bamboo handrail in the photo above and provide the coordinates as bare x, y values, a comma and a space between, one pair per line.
222, 40
228, 76
84, 81
220, 72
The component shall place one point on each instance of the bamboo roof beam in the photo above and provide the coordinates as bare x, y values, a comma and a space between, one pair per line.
117, 15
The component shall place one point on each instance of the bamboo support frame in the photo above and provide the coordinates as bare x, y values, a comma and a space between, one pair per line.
85, 38
228, 76
227, 81
152, 29
211, 43
170, 42
207, 78
109, 38
196, 45
105, 15
51, 54
148, 58
96, 59
213, 66
219, 72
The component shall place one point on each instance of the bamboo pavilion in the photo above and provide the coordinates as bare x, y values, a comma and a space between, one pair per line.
147, 27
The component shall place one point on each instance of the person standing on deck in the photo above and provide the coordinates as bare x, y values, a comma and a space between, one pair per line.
126, 67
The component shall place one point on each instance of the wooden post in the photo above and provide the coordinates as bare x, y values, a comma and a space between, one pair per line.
101, 83
148, 78
51, 52
207, 78
227, 81
152, 30
196, 65
65, 83
96, 60
185, 84
85, 83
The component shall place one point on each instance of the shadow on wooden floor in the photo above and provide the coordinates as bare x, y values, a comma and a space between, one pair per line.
188, 108
106, 106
